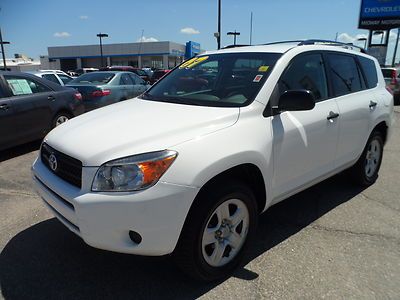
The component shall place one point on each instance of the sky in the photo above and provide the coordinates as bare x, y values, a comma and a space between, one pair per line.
33, 25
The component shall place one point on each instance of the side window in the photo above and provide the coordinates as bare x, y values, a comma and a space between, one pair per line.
126, 80
24, 86
136, 79
305, 72
51, 77
345, 75
65, 79
369, 68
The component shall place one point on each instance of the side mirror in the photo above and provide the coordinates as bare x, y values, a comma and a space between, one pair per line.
296, 100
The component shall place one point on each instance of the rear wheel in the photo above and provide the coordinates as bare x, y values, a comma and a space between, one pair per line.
217, 231
365, 171
60, 118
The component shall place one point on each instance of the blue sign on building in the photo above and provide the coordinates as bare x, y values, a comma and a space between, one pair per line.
379, 14
192, 49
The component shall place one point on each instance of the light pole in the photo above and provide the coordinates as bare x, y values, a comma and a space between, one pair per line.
364, 40
380, 32
2, 51
218, 33
234, 33
100, 36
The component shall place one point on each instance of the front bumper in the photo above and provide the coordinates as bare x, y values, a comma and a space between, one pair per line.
103, 220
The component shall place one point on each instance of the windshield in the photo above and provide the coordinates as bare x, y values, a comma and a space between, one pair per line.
93, 78
231, 79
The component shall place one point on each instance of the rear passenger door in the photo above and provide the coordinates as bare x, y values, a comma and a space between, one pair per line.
128, 85
304, 142
140, 85
353, 99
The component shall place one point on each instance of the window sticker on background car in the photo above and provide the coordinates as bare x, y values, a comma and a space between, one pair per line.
263, 68
258, 78
19, 86
193, 62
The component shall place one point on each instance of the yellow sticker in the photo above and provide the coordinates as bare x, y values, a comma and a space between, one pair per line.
192, 62
263, 68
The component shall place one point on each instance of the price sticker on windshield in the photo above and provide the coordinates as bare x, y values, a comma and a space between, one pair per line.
193, 62
258, 78
263, 68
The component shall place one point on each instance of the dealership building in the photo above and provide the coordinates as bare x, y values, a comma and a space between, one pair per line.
147, 54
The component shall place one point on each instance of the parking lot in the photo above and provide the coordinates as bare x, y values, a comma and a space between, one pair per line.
333, 241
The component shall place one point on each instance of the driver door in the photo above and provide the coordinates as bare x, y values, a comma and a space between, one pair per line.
304, 142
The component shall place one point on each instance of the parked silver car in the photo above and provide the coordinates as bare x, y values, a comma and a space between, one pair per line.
103, 88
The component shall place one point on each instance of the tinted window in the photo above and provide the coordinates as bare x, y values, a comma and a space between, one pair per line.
125, 80
369, 68
94, 78
24, 86
226, 79
345, 76
306, 72
64, 78
51, 77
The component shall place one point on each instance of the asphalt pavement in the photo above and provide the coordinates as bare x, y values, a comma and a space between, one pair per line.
334, 240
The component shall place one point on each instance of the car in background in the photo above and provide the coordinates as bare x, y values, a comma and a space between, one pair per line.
392, 79
30, 107
142, 74
158, 74
85, 70
57, 77
107, 87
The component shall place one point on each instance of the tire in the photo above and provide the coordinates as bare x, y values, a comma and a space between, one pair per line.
60, 118
365, 171
216, 254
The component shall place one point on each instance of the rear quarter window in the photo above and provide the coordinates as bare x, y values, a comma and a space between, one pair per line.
369, 68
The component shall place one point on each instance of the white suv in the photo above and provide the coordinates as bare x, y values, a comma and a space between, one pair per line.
186, 168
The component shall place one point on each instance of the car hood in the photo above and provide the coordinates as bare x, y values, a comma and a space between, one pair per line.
136, 126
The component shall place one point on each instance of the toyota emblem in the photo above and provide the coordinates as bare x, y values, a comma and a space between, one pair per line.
53, 162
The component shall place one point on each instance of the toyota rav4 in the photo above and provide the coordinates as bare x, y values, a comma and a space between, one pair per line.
187, 167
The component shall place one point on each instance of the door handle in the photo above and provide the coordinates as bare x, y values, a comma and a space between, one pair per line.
332, 115
4, 106
372, 104
51, 98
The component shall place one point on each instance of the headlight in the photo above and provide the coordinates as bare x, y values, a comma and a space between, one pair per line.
133, 173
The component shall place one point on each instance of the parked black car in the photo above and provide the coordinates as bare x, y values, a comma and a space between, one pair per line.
31, 106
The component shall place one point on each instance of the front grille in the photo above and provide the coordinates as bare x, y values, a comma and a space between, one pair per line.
67, 167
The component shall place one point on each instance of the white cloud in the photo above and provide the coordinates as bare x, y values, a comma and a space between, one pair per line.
146, 39
347, 38
189, 30
62, 34
83, 17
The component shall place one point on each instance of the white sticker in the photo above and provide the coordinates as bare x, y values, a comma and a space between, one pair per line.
258, 78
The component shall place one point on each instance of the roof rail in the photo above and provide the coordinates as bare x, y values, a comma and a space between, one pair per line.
234, 46
321, 42
332, 43
308, 42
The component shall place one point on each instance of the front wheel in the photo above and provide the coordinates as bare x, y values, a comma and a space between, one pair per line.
365, 171
217, 231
